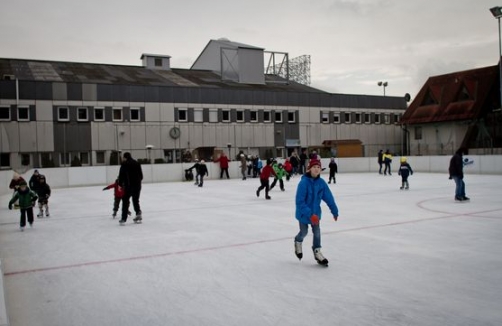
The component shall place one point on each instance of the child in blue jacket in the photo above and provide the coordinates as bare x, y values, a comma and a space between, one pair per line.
311, 190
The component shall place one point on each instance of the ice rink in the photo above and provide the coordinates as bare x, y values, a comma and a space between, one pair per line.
218, 255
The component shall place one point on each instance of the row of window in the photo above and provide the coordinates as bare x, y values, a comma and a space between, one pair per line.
214, 115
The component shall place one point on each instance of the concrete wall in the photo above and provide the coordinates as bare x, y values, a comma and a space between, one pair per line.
103, 175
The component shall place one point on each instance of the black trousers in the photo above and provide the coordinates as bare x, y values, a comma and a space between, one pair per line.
128, 194
226, 172
264, 185
24, 212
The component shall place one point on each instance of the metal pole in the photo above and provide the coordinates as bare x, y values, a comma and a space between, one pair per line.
500, 63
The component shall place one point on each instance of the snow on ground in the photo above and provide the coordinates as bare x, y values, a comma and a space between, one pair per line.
218, 255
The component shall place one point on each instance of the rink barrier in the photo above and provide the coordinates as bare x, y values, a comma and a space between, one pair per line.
4, 319
152, 173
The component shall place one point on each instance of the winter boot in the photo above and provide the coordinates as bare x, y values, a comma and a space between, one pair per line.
114, 214
402, 186
47, 212
407, 185
41, 214
298, 250
321, 260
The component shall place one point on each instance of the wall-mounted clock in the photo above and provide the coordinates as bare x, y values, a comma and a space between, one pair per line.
175, 132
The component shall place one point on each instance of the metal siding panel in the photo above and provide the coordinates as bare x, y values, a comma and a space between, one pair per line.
74, 92
89, 92
314, 99
180, 95
233, 115
258, 98
205, 115
190, 115
209, 96
269, 98
281, 98
166, 95
292, 99
27, 90
193, 95
104, 93
151, 94
120, 93
44, 91
7, 89
108, 113
126, 113
247, 97
33, 113
325, 100
142, 113
247, 115
137, 93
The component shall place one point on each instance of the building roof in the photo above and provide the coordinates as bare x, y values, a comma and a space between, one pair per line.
76, 72
462, 95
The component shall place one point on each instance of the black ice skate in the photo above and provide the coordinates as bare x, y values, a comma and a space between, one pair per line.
138, 218
321, 260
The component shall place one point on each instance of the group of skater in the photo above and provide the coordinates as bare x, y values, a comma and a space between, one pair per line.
25, 198
310, 192
455, 170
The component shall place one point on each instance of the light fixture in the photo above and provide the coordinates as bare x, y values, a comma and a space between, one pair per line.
384, 84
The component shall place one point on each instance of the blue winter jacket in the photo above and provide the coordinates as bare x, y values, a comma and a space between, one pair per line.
309, 194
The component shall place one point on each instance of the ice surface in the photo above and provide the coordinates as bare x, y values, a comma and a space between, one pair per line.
218, 255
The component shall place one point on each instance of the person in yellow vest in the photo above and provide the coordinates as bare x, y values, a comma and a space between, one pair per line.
387, 159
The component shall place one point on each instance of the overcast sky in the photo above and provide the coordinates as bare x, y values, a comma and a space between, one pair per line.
353, 44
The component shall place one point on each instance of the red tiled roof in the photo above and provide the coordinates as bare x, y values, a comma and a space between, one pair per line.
457, 96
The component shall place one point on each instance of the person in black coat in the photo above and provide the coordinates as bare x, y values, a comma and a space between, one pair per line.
333, 169
130, 178
456, 171
380, 161
201, 172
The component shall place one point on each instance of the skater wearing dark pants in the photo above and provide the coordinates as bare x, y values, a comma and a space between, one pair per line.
380, 161
279, 173
196, 167
311, 190
27, 199
130, 178
201, 172
303, 161
43, 192
223, 159
456, 171
266, 172
404, 171
333, 169
387, 159
118, 193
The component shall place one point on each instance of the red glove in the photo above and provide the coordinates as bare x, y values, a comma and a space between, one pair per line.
314, 219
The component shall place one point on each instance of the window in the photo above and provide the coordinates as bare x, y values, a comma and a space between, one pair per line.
117, 114
4, 160
254, 116
82, 114
358, 117
240, 116
336, 117
418, 133
397, 117
99, 114
291, 117
23, 113
325, 117
84, 158
377, 118
278, 116
347, 117
158, 62
386, 118
182, 115
135, 114
213, 115
100, 157
367, 118
63, 114
25, 159
46, 159
4, 113
225, 115
64, 159
198, 115
266, 116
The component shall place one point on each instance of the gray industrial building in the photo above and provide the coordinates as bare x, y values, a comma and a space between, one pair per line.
59, 113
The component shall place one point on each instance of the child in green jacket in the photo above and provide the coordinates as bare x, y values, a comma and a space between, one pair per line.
27, 199
280, 172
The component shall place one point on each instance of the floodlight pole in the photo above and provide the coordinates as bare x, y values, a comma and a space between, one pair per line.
497, 13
